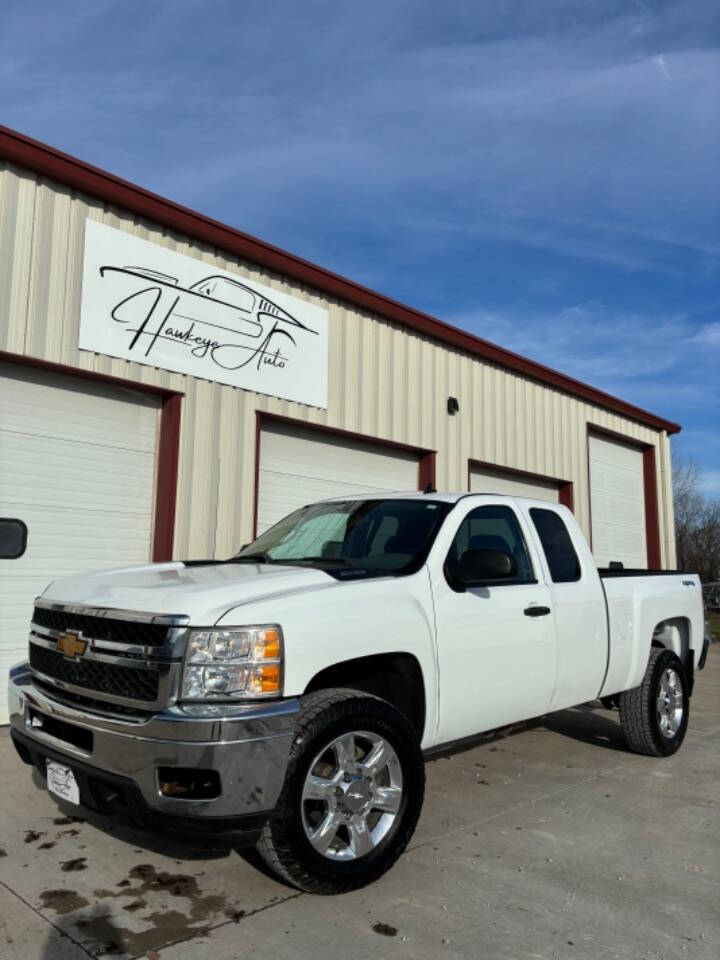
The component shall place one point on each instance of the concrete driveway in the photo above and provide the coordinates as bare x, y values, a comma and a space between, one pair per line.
546, 841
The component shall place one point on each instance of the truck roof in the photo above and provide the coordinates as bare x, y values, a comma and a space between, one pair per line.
451, 497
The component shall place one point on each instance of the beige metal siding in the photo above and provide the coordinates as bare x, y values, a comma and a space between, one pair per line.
384, 380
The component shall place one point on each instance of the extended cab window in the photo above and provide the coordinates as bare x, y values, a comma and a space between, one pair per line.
493, 528
559, 551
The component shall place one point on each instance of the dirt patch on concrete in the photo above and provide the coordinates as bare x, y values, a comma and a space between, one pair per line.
107, 937
62, 901
105, 934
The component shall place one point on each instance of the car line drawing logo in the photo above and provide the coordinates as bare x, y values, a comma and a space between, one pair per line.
217, 318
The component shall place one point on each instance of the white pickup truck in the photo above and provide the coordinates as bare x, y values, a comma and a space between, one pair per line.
286, 697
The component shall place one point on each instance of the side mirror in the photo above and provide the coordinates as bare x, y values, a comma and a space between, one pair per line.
479, 567
13, 539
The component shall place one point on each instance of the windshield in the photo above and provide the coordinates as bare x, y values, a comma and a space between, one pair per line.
353, 538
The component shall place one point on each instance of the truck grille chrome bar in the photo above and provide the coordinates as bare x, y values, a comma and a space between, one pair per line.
95, 652
109, 625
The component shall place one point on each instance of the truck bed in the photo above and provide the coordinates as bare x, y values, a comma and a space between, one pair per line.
664, 606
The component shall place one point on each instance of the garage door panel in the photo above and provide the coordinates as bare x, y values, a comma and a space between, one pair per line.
617, 503
618, 482
77, 464
313, 455
300, 465
491, 480
280, 498
41, 404
81, 473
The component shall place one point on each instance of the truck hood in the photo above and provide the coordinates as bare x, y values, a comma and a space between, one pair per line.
204, 592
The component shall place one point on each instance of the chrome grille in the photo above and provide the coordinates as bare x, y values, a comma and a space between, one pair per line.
129, 661
102, 628
92, 704
128, 683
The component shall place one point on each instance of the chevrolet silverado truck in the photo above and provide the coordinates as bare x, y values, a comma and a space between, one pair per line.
286, 697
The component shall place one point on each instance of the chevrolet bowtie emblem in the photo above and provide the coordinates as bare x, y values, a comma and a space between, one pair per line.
70, 644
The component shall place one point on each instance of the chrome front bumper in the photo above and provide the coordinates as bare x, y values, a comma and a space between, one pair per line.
247, 744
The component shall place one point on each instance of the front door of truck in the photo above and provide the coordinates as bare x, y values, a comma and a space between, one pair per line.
496, 643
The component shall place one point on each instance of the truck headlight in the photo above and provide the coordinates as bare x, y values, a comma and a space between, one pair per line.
234, 663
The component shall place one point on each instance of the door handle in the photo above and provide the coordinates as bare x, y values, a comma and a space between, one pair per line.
536, 611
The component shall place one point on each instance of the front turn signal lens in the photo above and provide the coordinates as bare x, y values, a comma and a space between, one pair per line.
270, 680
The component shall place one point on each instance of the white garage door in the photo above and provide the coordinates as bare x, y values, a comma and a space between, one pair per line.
77, 464
491, 480
299, 466
617, 503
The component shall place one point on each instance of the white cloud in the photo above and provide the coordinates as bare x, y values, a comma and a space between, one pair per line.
708, 335
660, 61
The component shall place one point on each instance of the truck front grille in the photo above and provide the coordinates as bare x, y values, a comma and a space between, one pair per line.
102, 628
91, 704
130, 683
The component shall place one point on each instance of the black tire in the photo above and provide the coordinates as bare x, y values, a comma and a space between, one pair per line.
639, 715
284, 846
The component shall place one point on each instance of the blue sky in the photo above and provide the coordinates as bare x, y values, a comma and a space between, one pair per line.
545, 174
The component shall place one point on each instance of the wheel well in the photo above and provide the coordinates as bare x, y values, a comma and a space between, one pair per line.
673, 634
395, 677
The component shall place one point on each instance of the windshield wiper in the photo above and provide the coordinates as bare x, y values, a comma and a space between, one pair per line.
251, 558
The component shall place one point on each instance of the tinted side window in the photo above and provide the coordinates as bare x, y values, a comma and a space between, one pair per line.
493, 528
559, 551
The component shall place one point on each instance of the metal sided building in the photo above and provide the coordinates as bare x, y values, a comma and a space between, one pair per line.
169, 386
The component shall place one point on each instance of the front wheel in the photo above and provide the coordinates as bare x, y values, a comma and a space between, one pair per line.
654, 716
352, 795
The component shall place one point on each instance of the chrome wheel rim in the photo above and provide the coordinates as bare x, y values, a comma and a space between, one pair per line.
352, 795
670, 703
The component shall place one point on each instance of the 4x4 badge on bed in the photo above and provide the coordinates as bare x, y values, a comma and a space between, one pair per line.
70, 644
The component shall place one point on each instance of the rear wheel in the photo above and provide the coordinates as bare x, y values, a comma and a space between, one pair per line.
352, 795
654, 716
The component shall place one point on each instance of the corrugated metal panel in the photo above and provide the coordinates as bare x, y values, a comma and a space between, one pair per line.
384, 380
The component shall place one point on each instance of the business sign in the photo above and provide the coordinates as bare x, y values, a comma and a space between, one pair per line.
145, 303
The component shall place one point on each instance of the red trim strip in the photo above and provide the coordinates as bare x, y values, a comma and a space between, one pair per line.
567, 495
652, 512
65, 368
426, 458
256, 493
565, 487
426, 471
48, 162
167, 474
652, 521
168, 445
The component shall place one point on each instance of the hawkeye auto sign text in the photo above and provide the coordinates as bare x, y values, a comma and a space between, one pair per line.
145, 303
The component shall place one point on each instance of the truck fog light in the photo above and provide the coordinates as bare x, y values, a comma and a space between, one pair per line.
186, 783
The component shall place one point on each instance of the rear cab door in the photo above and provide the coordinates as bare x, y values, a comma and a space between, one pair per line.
496, 656
578, 602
